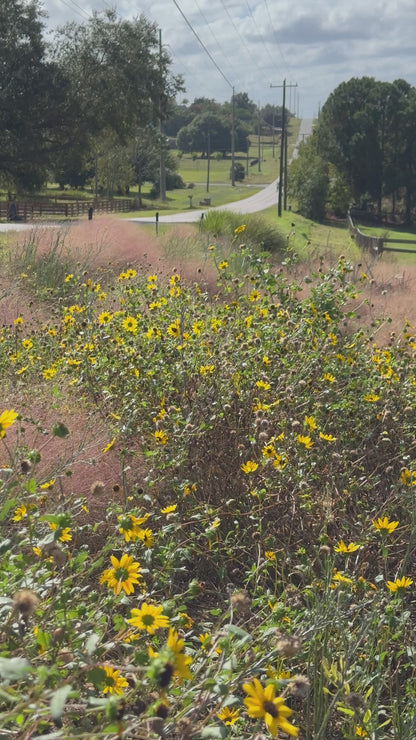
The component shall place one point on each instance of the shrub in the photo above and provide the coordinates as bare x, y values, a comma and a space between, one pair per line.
239, 172
257, 233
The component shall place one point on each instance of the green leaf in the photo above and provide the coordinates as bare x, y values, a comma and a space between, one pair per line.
345, 710
97, 676
30, 485
5, 545
58, 701
238, 632
60, 430
12, 669
215, 731
92, 643
6, 508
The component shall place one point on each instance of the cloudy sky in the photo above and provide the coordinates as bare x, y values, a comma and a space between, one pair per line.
253, 44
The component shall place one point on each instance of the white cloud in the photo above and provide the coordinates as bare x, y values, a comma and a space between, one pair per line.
256, 43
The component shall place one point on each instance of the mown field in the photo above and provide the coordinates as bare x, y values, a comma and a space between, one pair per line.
198, 185
207, 488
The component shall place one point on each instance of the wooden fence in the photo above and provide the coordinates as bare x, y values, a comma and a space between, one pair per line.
372, 243
378, 244
30, 210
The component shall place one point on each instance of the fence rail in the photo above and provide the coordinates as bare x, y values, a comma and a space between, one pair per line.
372, 243
30, 210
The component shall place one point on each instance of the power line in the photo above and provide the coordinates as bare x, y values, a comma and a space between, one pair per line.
203, 46
275, 35
80, 11
213, 34
260, 32
238, 32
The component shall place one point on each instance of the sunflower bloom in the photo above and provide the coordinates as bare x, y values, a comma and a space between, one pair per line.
6, 420
263, 704
130, 324
342, 547
310, 422
149, 618
146, 535
19, 513
327, 437
161, 437
228, 716
168, 509
62, 533
122, 576
130, 526
180, 660
305, 440
384, 525
399, 585
249, 467
113, 682
104, 317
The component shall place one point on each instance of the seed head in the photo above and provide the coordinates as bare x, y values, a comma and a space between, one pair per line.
25, 602
299, 686
97, 488
25, 466
289, 645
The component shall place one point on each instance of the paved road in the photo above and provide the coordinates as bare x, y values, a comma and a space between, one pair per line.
258, 202
267, 197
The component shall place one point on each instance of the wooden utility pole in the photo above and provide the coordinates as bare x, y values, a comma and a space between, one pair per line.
258, 140
283, 145
232, 140
208, 157
162, 170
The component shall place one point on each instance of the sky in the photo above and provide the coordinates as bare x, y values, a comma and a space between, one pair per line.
253, 46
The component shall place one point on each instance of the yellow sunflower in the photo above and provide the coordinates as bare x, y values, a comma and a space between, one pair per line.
263, 704
123, 575
149, 618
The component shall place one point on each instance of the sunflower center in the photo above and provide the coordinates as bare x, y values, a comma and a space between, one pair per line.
121, 574
148, 619
270, 708
125, 523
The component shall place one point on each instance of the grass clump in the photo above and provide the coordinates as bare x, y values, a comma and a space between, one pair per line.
44, 261
258, 233
255, 568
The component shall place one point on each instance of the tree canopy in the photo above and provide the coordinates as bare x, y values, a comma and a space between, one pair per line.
35, 114
119, 72
99, 80
367, 129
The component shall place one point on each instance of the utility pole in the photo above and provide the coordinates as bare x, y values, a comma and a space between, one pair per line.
285, 179
283, 144
162, 147
258, 140
248, 150
232, 140
208, 157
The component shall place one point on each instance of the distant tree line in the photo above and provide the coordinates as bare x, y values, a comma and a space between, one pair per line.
206, 122
85, 102
97, 103
363, 151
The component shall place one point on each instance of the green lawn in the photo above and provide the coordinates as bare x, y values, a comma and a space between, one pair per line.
265, 171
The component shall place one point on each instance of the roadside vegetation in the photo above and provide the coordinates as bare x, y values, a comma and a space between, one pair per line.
206, 499
207, 448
